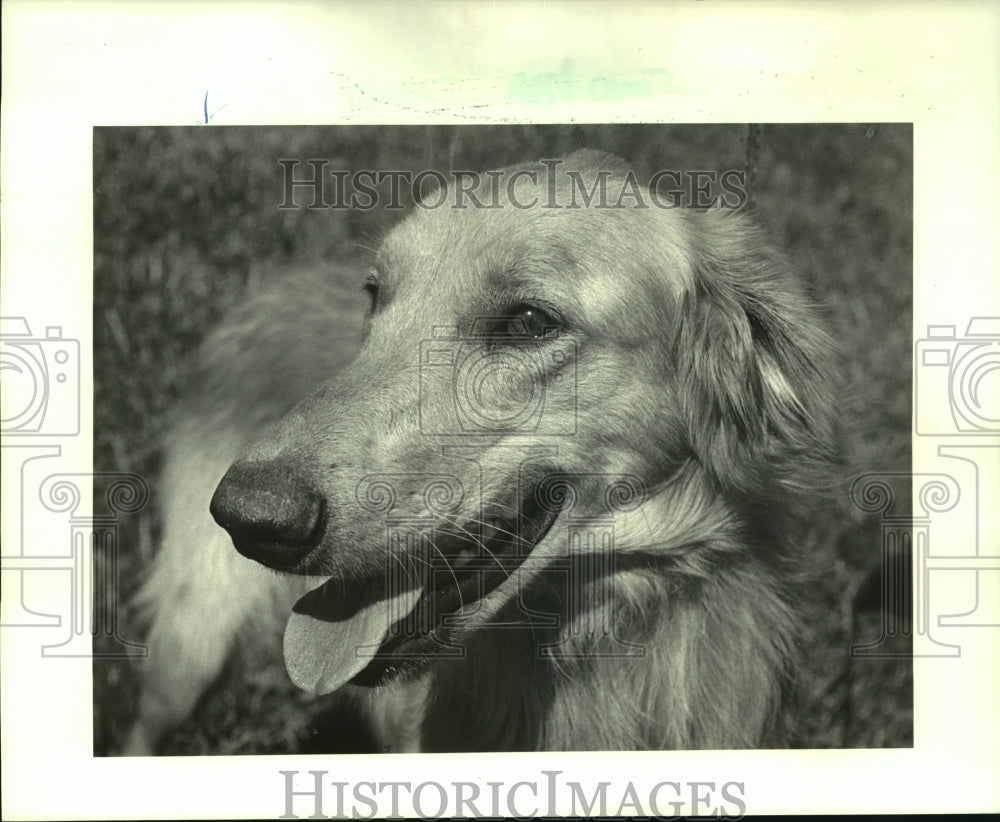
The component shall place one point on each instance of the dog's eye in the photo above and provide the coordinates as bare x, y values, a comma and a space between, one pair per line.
524, 321
371, 289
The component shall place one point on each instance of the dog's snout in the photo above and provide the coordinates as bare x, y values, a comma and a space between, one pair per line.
271, 512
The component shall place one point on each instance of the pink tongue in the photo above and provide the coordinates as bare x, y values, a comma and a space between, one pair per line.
329, 639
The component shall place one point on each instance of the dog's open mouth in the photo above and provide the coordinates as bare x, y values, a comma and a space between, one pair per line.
370, 634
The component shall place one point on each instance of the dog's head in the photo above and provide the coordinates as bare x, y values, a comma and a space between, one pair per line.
529, 357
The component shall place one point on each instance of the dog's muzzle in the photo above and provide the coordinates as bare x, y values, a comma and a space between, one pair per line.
370, 634
370, 628
271, 513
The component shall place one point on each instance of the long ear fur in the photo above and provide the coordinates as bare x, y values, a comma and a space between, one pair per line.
756, 385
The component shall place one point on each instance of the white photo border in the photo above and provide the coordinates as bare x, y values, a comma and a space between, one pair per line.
68, 67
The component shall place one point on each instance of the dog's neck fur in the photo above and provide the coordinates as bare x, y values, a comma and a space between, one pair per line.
664, 696
628, 664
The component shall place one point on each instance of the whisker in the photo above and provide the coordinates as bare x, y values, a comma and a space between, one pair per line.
451, 570
480, 542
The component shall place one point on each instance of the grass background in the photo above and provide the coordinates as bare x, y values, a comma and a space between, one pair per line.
186, 218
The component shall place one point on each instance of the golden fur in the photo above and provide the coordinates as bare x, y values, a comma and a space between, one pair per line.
700, 383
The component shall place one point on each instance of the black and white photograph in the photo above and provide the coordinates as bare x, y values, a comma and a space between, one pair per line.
464, 410
500, 454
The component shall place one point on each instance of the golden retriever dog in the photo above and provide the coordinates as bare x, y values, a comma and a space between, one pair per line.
547, 495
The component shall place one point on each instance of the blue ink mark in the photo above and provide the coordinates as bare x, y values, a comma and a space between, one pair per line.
205, 107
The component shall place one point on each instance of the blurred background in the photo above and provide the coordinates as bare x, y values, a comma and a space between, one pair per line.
186, 220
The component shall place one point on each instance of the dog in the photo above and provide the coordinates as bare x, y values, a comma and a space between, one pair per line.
545, 493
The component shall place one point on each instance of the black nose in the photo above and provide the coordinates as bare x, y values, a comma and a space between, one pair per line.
272, 513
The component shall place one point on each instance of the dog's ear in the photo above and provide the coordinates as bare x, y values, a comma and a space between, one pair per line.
755, 379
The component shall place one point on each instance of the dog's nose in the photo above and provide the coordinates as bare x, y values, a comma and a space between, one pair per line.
270, 511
